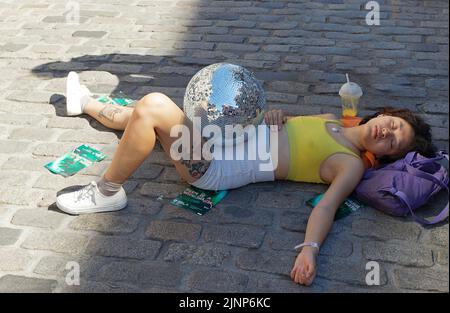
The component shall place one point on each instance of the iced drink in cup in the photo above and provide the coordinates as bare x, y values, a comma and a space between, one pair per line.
350, 93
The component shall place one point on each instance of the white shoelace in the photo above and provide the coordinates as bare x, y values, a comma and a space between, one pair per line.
87, 192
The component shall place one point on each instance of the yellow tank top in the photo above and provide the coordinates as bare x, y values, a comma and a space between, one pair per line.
310, 144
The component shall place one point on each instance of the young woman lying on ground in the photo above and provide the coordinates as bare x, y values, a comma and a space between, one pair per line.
314, 149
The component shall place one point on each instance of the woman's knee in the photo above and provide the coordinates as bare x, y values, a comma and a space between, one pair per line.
151, 103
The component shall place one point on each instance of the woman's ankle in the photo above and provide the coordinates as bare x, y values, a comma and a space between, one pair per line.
108, 188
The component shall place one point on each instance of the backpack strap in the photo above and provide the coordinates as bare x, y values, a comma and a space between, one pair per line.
404, 198
441, 154
414, 171
434, 220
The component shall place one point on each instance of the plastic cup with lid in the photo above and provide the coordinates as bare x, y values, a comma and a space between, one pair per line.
350, 94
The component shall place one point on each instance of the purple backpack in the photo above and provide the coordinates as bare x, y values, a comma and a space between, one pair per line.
401, 187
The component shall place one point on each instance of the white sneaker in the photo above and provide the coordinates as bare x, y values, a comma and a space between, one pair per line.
74, 94
90, 200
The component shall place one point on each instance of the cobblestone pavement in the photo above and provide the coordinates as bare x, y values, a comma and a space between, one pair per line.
301, 51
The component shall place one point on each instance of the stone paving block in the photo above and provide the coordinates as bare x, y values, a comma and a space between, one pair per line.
194, 45
44, 199
87, 136
230, 214
439, 133
120, 68
60, 242
276, 200
141, 206
173, 231
289, 87
13, 259
22, 284
217, 281
298, 220
171, 212
238, 47
160, 275
208, 255
3, 132
14, 178
9, 146
18, 195
386, 229
170, 174
8, 236
101, 287
20, 119
403, 31
339, 287
64, 122
154, 273
283, 240
27, 163
123, 247
407, 254
439, 84
33, 134
346, 271
235, 235
441, 257
59, 266
89, 34
422, 279
278, 285
148, 171
31, 97
408, 38
153, 189
105, 223
11, 47
159, 157
265, 261
281, 97
439, 236
51, 181
401, 90
55, 149
335, 245
42, 218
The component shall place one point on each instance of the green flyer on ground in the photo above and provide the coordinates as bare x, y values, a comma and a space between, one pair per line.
74, 161
349, 206
198, 200
120, 98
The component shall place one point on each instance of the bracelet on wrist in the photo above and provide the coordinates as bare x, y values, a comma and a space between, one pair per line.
308, 244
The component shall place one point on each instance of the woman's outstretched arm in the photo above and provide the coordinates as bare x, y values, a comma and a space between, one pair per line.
321, 219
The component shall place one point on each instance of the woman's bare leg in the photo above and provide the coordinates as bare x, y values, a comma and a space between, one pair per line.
153, 116
110, 115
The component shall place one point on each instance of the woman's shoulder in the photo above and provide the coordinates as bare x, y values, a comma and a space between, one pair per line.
342, 163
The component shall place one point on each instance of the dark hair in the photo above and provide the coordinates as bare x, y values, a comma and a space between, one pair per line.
422, 131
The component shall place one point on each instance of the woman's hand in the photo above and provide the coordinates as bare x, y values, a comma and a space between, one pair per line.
275, 117
304, 270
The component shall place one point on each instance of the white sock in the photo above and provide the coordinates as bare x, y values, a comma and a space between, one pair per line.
85, 100
108, 188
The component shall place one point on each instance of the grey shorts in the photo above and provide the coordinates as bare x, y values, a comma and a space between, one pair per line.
225, 173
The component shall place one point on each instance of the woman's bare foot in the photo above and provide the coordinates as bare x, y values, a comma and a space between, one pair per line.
304, 270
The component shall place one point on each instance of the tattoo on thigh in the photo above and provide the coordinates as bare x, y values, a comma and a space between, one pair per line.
109, 111
196, 168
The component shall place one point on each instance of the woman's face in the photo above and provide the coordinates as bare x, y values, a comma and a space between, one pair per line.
388, 136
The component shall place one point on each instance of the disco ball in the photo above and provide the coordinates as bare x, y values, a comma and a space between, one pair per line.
225, 94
